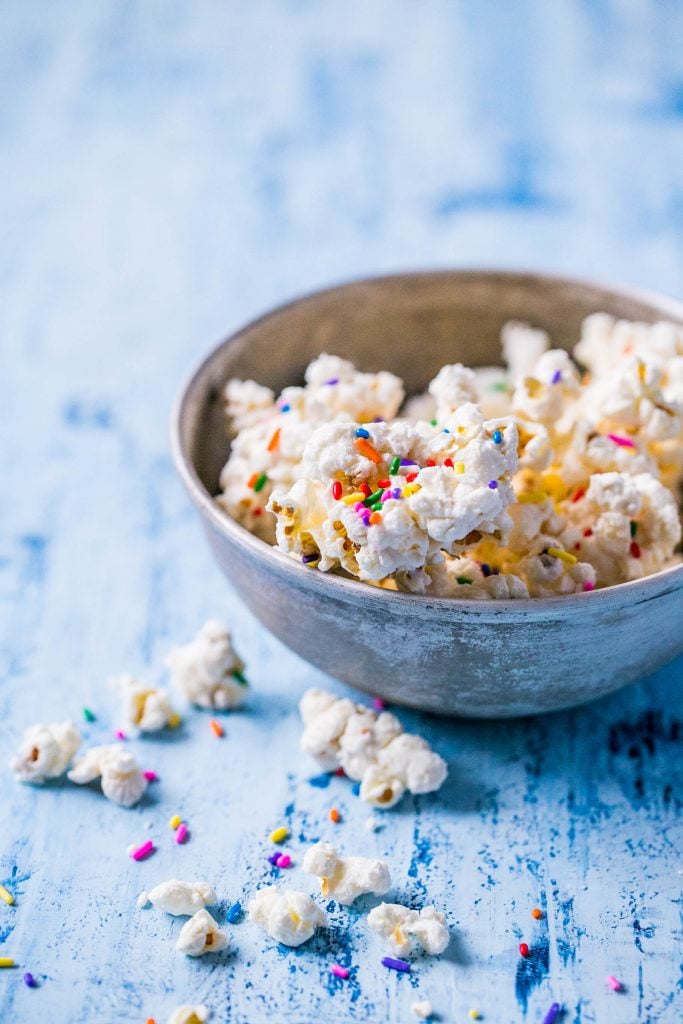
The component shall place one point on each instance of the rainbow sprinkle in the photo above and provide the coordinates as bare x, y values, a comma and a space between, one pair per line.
140, 852
260, 481
362, 432
6, 896
181, 833
278, 835
283, 860
120, 734
623, 442
29, 980
564, 556
395, 466
6, 961
497, 436
216, 728
88, 715
552, 1013
150, 775
395, 965
614, 983
339, 971
234, 913
175, 821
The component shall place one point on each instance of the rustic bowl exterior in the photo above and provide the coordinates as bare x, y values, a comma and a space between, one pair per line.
468, 658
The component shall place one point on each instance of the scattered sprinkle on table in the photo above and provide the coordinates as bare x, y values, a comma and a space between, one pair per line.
339, 971
395, 965
119, 734
88, 715
614, 983
234, 913
6, 961
335, 816
278, 835
378, 704
552, 1013
216, 728
181, 833
474, 1014
283, 860
537, 914
150, 775
6, 896
174, 721
29, 980
175, 821
150, 1020
273, 859
140, 852
523, 949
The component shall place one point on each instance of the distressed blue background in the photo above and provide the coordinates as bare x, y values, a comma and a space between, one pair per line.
169, 170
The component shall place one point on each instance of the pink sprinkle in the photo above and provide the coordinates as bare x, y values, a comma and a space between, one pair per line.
614, 983
140, 852
283, 861
120, 734
378, 704
339, 972
150, 775
625, 442
588, 585
181, 833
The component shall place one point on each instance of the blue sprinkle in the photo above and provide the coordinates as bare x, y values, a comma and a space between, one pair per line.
493, 484
320, 781
355, 788
285, 408
362, 432
486, 568
445, 430
557, 377
274, 857
234, 913
497, 437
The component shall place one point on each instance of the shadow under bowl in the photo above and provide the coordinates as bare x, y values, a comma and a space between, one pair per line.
453, 657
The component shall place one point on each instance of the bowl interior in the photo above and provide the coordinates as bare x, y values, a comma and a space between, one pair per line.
411, 324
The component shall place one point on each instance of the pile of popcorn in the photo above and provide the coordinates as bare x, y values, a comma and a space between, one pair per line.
553, 476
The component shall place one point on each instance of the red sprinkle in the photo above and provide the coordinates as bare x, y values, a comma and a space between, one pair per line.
364, 489
410, 478
448, 462
257, 512
430, 462
384, 483
588, 532
579, 494
523, 949
340, 772
336, 490
635, 549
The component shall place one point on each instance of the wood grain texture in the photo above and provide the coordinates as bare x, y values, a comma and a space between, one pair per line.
168, 172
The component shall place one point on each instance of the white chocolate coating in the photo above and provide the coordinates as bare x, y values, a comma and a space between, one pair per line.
201, 935
289, 916
45, 752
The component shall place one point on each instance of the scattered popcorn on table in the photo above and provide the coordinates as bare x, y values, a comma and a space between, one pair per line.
179, 898
406, 930
145, 707
190, 1014
288, 916
45, 752
423, 1009
346, 878
201, 935
121, 779
470, 492
208, 671
370, 747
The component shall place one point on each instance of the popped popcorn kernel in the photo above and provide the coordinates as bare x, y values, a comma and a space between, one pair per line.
45, 752
208, 671
288, 916
346, 878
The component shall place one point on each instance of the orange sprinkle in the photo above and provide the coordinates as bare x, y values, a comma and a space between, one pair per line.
367, 450
538, 914
216, 728
150, 1020
335, 816
376, 518
274, 441
252, 480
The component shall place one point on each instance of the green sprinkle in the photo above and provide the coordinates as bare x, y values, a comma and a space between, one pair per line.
433, 422
239, 676
373, 498
634, 528
377, 507
394, 467
88, 715
462, 579
500, 386
260, 482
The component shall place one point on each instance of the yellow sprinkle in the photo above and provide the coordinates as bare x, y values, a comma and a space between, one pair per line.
564, 556
278, 835
641, 370
459, 467
474, 1015
6, 896
6, 961
532, 497
295, 918
175, 821
174, 721
410, 489
351, 499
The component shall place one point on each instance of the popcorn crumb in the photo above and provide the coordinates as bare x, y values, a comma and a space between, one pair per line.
407, 930
118, 771
45, 752
201, 935
190, 1014
372, 824
346, 878
208, 671
179, 898
423, 1009
288, 916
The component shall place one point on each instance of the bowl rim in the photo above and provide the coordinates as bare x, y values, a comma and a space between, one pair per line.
348, 589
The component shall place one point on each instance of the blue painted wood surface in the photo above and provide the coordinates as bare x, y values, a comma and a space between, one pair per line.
168, 171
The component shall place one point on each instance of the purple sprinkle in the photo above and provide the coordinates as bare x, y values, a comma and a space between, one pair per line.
29, 980
395, 965
378, 419
396, 493
358, 506
493, 484
274, 858
556, 378
552, 1014
310, 558
332, 380
408, 462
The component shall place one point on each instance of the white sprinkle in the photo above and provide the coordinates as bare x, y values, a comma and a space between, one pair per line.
422, 1010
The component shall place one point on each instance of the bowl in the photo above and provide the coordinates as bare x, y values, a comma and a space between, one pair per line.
448, 656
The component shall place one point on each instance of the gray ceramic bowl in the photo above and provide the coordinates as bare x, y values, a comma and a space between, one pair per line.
469, 658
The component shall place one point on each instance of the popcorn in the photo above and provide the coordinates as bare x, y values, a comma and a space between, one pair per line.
201, 935
146, 708
186, 1014
406, 930
46, 752
247, 404
288, 916
369, 747
208, 671
346, 878
121, 779
452, 387
522, 346
179, 898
